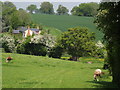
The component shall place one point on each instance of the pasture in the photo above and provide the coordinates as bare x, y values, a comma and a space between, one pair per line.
63, 22
27, 71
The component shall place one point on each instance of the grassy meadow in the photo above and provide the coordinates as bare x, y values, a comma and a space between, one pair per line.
27, 71
63, 22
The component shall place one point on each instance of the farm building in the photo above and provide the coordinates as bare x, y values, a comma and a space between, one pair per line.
27, 31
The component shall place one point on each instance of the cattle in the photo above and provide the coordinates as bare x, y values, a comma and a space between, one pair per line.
97, 74
8, 59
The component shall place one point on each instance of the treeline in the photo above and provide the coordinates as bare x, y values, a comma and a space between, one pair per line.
13, 18
84, 9
47, 8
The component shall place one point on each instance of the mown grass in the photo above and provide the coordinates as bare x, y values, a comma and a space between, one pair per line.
27, 71
63, 22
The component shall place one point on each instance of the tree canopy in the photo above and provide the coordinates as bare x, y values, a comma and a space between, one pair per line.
46, 8
13, 18
31, 8
62, 10
108, 21
85, 9
78, 42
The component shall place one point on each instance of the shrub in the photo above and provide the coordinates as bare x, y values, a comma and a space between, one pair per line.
56, 52
8, 43
36, 45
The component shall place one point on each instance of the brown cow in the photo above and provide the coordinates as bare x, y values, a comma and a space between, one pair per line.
8, 59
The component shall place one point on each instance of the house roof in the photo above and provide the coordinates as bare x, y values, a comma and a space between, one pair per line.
34, 29
23, 29
16, 31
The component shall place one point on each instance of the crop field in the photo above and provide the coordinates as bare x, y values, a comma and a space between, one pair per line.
63, 22
27, 71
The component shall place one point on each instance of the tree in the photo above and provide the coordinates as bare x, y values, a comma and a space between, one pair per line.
24, 17
75, 11
85, 9
46, 8
13, 18
62, 10
8, 8
21, 9
78, 42
108, 21
31, 8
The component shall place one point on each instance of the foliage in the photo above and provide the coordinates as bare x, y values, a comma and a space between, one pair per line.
56, 51
8, 43
108, 21
36, 45
13, 18
78, 42
62, 10
100, 50
21, 9
46, 8
45, 39
31, 8
85, 9
24, 17
8, 8
25, 48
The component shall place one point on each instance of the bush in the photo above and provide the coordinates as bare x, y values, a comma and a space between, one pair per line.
56, 52
8, 43
28, 47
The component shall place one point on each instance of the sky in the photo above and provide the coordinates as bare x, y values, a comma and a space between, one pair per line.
67, 3
53, 0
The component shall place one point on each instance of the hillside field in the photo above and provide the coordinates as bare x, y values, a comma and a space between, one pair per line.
27, 71
63, 22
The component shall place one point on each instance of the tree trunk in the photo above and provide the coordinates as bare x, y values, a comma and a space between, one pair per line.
74, 58
115, 64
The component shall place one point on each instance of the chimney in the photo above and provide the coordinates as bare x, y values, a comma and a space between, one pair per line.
28, 27
37, 27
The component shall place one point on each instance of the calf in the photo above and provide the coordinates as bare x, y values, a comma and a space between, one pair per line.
97, 74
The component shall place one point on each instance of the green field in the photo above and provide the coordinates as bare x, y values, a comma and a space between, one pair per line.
27, 71
63, 22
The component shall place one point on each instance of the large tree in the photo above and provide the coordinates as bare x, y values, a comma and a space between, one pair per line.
85, 9
13, 18
62, 10
78, 42
31, 8
108, 21
8, 8
24, 17
46, 8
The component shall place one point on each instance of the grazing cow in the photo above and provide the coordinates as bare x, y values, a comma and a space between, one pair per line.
97, 73
8, 59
